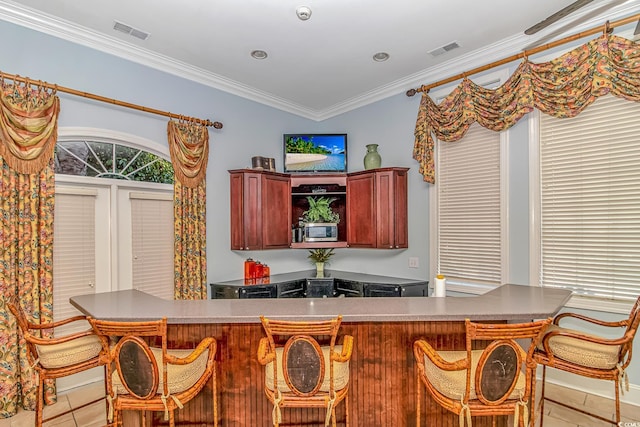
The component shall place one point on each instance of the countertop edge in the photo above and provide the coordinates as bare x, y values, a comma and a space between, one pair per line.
507, 302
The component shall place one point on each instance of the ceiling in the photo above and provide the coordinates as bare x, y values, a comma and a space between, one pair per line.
316, 68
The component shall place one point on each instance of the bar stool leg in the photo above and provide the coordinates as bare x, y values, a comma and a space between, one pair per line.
418, 401
544, 373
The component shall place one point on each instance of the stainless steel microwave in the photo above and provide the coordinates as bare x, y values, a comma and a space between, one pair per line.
321, 232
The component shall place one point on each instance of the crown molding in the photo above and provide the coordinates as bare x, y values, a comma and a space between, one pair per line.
30, 18
44, 23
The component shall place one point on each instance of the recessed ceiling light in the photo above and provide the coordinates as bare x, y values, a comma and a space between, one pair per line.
381, 56
259, 54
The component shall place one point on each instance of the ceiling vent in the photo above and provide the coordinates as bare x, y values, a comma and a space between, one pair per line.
127, 29
444, 49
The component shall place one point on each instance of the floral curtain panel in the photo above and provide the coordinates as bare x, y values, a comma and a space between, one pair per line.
562, 87
28, 133
189, 148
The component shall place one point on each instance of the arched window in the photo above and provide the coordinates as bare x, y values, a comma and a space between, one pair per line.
111, 160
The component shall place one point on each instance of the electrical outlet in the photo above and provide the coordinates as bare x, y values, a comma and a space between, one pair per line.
414, 262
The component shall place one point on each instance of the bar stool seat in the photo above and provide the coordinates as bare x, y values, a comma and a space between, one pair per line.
340, 372
453, 383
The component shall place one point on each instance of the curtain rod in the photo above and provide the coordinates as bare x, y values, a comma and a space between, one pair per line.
204, 122
608, 26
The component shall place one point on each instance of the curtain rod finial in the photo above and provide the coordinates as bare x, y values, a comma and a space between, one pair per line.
411, 92
217, 125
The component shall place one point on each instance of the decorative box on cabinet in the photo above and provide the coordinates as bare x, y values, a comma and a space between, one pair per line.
260, 210
377, 208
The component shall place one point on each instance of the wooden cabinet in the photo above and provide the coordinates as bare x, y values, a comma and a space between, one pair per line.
260, 210
377, 209
372, 206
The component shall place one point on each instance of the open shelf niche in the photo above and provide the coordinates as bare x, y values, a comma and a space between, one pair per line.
328, 185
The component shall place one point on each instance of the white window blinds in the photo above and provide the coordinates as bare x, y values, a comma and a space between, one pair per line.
469, 208
73, 253
152, 243
590, 200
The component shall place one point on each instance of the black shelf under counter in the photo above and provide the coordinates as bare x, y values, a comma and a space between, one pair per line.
306, 284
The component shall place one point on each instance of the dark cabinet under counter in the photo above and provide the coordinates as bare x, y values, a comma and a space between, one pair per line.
305, 284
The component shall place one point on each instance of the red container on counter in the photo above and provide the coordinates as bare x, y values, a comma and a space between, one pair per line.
258, 270
249, 269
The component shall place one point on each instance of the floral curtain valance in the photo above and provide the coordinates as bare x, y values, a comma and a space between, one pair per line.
562, 87
189, 148
28, 126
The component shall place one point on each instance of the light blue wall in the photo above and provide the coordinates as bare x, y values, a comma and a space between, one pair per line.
249, 129
254, 129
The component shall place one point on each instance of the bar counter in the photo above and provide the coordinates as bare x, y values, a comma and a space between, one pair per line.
382, 391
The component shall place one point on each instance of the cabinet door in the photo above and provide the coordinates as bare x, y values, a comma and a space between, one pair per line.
391, 209
237, 210
361, 221
260, 211
401, 210
385, 210
276, 212
246, 211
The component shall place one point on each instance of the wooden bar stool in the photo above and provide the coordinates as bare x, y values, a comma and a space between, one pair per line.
60, 356
305, 367
143, 377
497, 380
588, 354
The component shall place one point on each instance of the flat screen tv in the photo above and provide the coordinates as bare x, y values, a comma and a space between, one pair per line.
315, 152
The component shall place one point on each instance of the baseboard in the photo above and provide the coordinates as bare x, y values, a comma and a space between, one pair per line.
591, 386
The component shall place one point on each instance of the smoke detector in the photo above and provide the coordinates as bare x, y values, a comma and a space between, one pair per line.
303, 12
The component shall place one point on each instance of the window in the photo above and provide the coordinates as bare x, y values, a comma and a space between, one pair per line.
110, 160
588, 201
468, 205
470, 224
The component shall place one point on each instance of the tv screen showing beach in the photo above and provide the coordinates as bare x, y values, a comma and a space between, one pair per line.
315, 153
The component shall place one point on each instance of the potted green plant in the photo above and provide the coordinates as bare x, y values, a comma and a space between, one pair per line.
320, 256
320, 210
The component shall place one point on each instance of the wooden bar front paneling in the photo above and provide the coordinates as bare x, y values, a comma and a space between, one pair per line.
383, 378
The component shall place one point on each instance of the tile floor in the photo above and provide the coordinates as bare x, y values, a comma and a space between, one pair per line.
89, 416
555, 416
